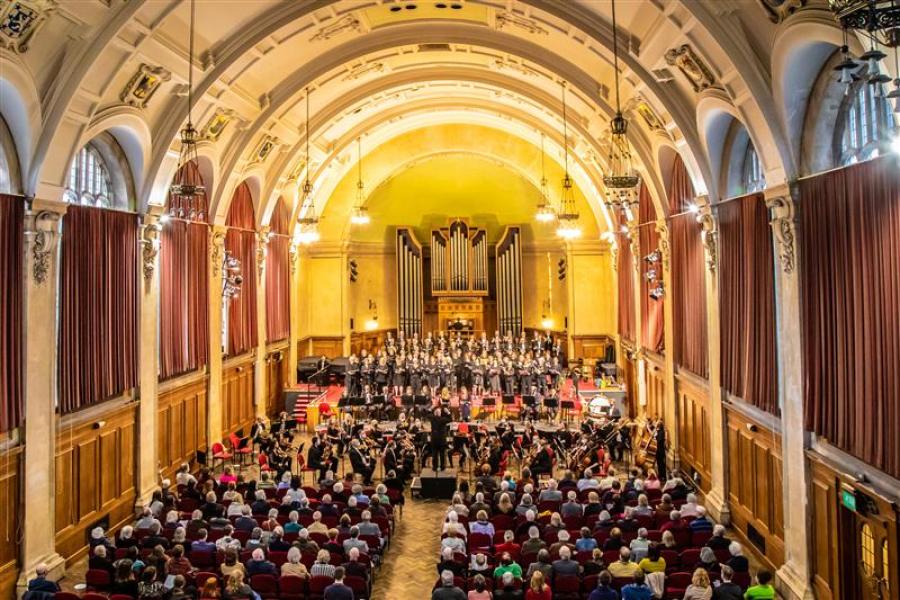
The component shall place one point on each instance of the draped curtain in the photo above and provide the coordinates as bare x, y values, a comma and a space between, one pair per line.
240, 242
747, 302
12, 216
652, 313
850, 309
625, 271
688, 277
183, 287
98, 306
278, 301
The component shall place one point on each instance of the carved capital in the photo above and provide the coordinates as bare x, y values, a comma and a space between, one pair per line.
294, 254
42, 234
781, 218
216, 249
710, 235
663, 243
149, 236
262, 250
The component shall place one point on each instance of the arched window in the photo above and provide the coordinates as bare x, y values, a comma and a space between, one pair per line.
753, 178
867, 548
864, 124
100, 176
9, 164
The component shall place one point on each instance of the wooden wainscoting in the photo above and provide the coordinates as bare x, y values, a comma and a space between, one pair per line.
237, 394
693, 429
181, 421
755, 484
823, 503
10, 480
656, 389
329, 346
276, 378
591, 346
95, 467
371, 341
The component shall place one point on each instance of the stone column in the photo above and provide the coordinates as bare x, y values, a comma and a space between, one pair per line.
214, 393
41, 265
261, 372
294, 296
635, 268
793, 578
670, 411
148, 361
717, 498
570, 305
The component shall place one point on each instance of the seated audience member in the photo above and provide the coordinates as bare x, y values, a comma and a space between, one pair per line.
155, 538
354, 542
563, 537
565, 565
700, 588
586, 542
211, 509
178, 563
256, 539
587, 482
718, 541
258, 565
534, 543
707, 560
322, 567
179, 538
293, 525
159, 560
149, 587
448, 564
726, 589
537, 588
595, 565
480, 505
231, 564
675, 522
505, 505
100, 561
453, 542
304, 544
178, 591
614, 541
210, 589
40, 583
479, 589
508, 565
333, 544
653, 562
457, 506
228, 541
604, 589
525, 505
293, 566
571, 508
479, 564
639, 545
738, 562
593, 506
529, 522
317, 526
338, 590
184, 477
643, 507
507, 590
623, 567
701, 523
638, 590
509, 546
272, 521
453, 523
482, 525
126, 538
354, 567
123, 581
146, 519
447, 590
556, 523
542, 564
236, 589
245, 522
551, 494
197, 522
664, 507
763, 589
668, 541
277, 543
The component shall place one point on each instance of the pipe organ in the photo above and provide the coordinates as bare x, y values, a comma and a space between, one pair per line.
410, 297
459, 260
509, 281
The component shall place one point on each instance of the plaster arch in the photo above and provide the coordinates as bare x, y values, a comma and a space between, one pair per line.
254, 178
20, 107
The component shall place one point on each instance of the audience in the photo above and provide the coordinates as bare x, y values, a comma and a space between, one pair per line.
726, 589
604, 589
447, 590
479, 591
338, 590
700, 588
508, 589
638, 590
537, 588
763, 589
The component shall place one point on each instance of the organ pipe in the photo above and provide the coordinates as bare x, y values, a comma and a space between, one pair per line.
509, 281
409, 282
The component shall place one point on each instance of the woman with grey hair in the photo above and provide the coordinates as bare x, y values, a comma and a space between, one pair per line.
293, 567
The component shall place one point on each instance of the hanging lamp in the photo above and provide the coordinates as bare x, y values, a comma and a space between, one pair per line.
545, 213
568, 218
308, 221
187, 191
360, 214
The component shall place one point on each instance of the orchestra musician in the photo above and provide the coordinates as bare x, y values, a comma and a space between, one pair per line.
360, 461
542, 461
321, 457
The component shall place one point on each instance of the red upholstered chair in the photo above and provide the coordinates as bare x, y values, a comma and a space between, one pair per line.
94, 596
690, 557
302, 468
566, 587
620, 582
359, 586
589, 583
239, 446
479, 541
292, 588
201, 577
676, 584
699, 538
97, 579
117, 597
263, 461
317, 585
265, 585
66, 596
220, 453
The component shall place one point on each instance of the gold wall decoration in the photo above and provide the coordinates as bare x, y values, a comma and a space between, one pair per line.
264, 148
217, 123
781, 210
505, 19
691, 66
779, 10
143, 84
20, 20
216, 249
346, 23
149, 250
363, 69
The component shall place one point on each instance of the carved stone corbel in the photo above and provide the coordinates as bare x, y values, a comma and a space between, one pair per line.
635, 241
43, 236
294, 254
709, 233
216, 249
663, 243
781, 211
149, 250
262, 250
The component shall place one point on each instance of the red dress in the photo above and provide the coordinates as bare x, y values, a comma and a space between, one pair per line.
545, 594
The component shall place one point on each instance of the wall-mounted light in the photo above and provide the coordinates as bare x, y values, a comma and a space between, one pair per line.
372, 323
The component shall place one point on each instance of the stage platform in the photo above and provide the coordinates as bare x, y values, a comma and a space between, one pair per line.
435, 485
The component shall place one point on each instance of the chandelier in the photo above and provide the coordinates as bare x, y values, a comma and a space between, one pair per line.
186, 192
621, 179
545, 212
308, 221
879, 19
360, 214
568, 228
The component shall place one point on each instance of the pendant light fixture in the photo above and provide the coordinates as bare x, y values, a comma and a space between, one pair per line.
621, 180
308, 221
569, 228
360, 215
187, 191
545, 213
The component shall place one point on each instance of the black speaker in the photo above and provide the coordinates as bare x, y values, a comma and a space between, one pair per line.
438, 485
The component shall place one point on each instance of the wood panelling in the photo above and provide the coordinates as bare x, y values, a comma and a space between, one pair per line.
656, 390
276, 379
629, 376
693, 430
591, 346
94, 476
823, 504
755, 482
237, 395
369, 340
181, 423
10, 478
331, 347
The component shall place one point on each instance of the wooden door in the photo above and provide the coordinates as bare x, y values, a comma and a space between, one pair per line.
864, 542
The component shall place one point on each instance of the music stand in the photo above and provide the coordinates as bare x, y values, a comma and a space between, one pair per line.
423, 403
488, 404
406, 401
378, 404
565, 406
506, 401
551, 404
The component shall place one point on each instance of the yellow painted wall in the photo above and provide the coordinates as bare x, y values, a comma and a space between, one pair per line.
378, 282
536, 286
321, 301
593, 307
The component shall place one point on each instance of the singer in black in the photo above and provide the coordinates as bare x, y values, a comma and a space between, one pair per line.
440, 421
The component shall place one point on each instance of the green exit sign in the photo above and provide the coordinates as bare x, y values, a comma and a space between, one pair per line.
848, 499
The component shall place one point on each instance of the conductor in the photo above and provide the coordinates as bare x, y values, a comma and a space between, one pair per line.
440, 420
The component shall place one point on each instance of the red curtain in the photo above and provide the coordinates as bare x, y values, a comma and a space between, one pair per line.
850, 309
183, 288
98, 306
625, 270
240, 242
278, 277
688, 275
747, 302
12, 216
652, 311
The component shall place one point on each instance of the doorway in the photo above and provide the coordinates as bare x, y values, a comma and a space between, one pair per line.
864, 552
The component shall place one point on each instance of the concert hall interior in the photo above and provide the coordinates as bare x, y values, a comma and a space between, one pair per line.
480, 299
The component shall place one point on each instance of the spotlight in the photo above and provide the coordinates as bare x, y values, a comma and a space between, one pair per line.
657, 292
164, 218
650, 275
693, 208
653, 257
